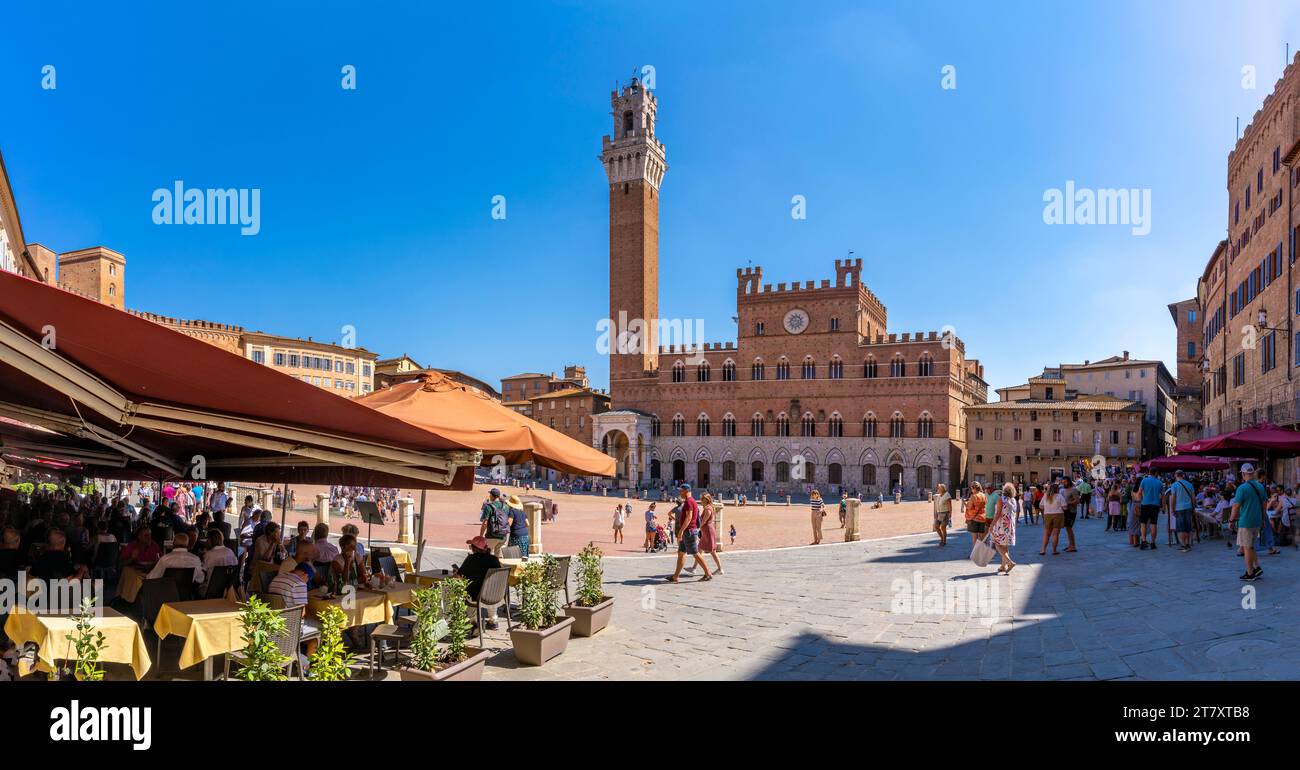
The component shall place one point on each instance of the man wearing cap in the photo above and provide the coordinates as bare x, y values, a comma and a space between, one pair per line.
688, 535
1152, 491
1248, 513
1183, 496
492, 521
475, 567
517, 521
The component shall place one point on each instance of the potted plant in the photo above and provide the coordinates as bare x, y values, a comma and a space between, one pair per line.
262, 659
452, 661
592, 609
542, 633
331, 662
89, 643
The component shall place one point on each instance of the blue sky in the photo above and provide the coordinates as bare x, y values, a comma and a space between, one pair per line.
376, 203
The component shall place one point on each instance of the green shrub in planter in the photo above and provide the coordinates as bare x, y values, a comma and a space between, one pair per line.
331, 661
590, 577
89, 643
262, 659
539, 604
430, 627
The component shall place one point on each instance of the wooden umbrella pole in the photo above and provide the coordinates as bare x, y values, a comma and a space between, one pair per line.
419, 533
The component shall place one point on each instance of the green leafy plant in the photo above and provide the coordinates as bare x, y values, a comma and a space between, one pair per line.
47, 487
262, 659
25, 488
591, 576
539, 605
331, 662
456, 592
430, 627
89, 643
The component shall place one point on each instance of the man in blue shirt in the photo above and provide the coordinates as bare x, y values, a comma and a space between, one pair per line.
1183, 495
1248, 512
1151, 489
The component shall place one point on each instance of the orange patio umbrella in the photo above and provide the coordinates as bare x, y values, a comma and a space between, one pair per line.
437, 403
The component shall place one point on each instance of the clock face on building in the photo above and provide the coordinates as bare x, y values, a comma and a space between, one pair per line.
796, 321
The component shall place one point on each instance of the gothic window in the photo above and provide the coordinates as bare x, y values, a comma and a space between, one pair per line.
783, 369
925, 427
702, 372
898, 367
782, 425
835, 428
809, 369
679, 372
702, 425
756, 425
655, 427
728, 425
679, 425
925, 367
729, 371
808, 426
896, 426
756, 370
869, 369
869, 426
836, 369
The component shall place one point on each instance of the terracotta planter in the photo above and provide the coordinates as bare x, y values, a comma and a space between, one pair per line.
533, 648
468, 670
589, 620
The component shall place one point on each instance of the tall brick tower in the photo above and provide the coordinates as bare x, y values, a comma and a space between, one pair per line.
634, 162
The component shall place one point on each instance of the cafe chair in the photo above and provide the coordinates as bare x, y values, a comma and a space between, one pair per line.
386, 633
558, 575
184, 578
220, 581
388, 566
154, 593
104, 564
492, 595
512, 552
288, 644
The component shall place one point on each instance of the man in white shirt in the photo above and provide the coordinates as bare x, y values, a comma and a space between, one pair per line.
179, 556
219, 502
325, 550
218, 555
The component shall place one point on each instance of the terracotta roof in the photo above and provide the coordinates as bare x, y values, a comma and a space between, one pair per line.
569, 392
1093, 402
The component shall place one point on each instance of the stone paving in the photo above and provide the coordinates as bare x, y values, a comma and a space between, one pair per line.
1108, 612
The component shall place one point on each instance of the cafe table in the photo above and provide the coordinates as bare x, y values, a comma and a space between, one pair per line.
516, 568
428, 577
361, 606
129, 582
210, 627
402, 558
123, 640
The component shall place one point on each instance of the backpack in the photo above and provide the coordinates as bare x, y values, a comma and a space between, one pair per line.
496, 520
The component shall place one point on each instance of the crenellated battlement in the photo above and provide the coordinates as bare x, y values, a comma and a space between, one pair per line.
708, 347
749, 279
912, 337
1276, 95
187, 324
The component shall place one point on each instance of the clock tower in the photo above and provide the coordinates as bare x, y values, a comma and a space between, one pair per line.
634, 165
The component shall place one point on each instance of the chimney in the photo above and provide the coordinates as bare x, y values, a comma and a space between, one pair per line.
1086, 362
1125, 355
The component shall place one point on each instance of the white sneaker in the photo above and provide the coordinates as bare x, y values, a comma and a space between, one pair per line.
718, 571
689, 570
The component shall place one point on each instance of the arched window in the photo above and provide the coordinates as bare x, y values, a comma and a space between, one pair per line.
836, 369
655, 427
835, 427
756, 470
702, 425
679, 372
679, 425
756, 424
782, 425
702, 372
728, 425
898, 367
925, 427
783, 471
112, 290
783, 369
756, 370
834, 473
809, 369
869, 475
728, 470
627, 122
896, 426
925, 366
728, 371
869, 369
869, 426
808, 426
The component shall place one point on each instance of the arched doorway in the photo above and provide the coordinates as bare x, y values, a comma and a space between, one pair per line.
756, 470
702, 473
895, 477
654, 469
615, 444
924, 477
679, 471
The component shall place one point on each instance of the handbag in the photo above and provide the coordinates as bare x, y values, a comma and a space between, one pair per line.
982, 552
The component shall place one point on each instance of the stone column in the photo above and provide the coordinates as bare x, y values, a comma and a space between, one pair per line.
851, 520
406, 521
720, 529
322, 508
787, 500
533, 511
266, 499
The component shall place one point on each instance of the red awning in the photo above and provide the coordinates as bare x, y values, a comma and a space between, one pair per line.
135, 399
1256, 441
1185, 463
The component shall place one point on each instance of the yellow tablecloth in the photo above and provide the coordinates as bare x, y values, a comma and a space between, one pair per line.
516, 568
366, 607
123, 640
128, 584
210, 627
427, 578
402, 558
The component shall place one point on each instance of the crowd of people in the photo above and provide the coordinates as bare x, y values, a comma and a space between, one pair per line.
1247, 510
344, 499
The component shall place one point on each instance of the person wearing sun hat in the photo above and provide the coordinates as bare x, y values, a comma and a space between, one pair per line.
518, 522
476, 565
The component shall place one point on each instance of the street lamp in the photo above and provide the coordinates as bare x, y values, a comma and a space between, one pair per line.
1261, 323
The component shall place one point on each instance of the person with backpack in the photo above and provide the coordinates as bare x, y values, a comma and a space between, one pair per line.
493, 526
688, 535
1183, 495
517, 524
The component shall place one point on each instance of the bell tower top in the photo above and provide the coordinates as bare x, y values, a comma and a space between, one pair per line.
633, 153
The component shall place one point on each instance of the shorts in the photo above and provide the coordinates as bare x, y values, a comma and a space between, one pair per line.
1054, 521
1150, 514
1246, 536
977, 526
940, 517
690, 542
1183, 521
649, 529
1070, 515
618, 527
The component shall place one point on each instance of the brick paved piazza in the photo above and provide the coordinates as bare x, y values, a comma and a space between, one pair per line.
1106, 612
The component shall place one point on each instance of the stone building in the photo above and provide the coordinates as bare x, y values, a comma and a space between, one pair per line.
814, 391
390, 371
1188, 388
521, 387
1051, 432
1247, 290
